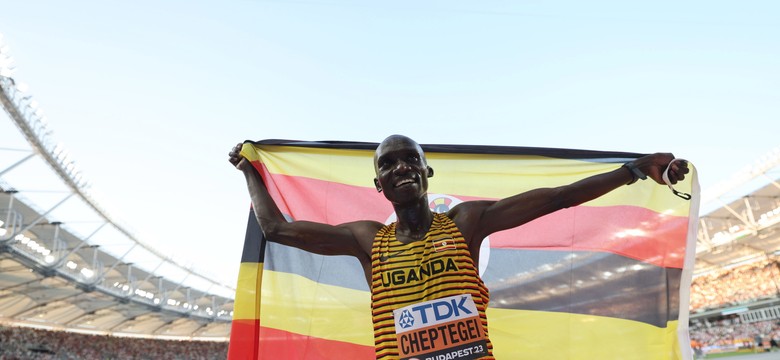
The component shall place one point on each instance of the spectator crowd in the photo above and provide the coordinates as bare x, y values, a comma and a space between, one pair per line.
22, 343
735, 286
731, 335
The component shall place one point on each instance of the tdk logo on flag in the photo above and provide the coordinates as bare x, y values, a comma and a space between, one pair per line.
406, 320
434, 312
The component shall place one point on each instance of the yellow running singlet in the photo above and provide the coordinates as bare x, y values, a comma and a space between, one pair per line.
433, 288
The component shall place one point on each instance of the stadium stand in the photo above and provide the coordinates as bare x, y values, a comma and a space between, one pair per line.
727, 295
22, 343
736, 285
735, 292
732, 334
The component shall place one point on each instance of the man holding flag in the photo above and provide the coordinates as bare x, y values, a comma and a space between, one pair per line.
428, 300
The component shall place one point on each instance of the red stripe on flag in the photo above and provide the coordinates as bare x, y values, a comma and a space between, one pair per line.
578, 228
249, 340
631, 231
280, 344
244, 336
324, 201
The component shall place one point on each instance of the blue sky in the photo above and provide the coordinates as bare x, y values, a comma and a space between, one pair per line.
149, 96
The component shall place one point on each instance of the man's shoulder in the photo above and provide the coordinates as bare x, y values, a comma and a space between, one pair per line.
364, 228
365, 223
467, 216
364, 232
467, 209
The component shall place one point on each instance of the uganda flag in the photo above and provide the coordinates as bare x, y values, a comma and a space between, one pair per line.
608, 279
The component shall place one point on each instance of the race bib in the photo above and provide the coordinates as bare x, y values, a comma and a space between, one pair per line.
442, 329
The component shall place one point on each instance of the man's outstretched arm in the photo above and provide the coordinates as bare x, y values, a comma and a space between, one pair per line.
479, 219
346, 239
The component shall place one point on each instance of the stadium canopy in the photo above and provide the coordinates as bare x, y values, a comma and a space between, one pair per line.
745, 223
65, 263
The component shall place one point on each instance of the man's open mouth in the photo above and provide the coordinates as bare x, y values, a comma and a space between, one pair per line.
405, 182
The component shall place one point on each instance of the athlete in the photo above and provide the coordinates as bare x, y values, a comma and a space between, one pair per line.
442, 249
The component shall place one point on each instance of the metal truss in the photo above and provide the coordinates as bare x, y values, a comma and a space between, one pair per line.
745, 226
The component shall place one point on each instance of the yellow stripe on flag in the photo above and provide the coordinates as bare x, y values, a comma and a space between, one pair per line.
247, 304
296, 304
522, 334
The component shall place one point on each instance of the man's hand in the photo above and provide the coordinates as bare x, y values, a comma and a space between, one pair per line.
654, 166
237, 159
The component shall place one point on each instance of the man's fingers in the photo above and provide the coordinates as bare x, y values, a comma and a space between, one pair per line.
234, 156
677, 171
680, 167
242, 163
674, 177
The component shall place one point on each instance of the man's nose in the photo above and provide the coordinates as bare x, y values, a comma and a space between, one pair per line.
402, 167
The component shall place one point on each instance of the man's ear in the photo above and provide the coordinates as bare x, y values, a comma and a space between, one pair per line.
376, 183
430, 171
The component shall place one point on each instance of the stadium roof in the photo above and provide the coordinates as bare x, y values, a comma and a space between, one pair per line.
66, 263
742, 230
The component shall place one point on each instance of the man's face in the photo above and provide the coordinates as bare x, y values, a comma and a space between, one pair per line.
401, 170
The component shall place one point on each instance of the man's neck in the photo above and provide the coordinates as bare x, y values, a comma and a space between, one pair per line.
414, 220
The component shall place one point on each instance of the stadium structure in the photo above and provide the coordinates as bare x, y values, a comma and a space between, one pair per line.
66, 264
743, 228
61, 274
